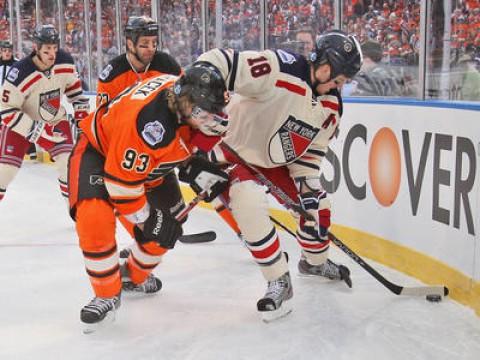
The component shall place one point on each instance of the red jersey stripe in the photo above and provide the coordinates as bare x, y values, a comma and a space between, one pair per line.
31, 82
291, 87
330, 104
63, 70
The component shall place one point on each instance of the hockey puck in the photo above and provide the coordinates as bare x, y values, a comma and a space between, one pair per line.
434, 298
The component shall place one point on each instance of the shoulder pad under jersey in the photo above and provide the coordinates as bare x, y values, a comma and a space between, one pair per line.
114, 68
293, 64
63, 57
335, 92
165, 63
156, 124
21, 70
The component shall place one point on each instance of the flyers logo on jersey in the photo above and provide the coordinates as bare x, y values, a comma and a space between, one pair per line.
291, 140
153, 132
49, 104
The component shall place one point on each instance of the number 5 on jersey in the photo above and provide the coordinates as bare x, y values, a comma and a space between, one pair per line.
133, 160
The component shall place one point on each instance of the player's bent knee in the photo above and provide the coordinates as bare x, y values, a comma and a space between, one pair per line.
249, 204
95, 225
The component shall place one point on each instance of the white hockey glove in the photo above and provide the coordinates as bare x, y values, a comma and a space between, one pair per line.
44, 135
208, 123
203, 175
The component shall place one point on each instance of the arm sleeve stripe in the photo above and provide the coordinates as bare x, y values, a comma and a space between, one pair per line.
74, 95
229, 63
234, 71
75, 85
306, 164
316, 152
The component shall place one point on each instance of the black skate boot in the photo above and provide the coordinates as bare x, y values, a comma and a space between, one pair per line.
151, 285
99, 310
275, 304
329, 270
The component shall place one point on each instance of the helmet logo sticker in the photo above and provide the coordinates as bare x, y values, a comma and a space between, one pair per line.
205, 77
347, 47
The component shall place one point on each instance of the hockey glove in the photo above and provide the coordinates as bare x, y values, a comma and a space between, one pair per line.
44, 135
317, 205
80, 112
160, 227
203, 175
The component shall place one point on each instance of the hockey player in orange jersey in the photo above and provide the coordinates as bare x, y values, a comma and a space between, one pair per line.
119, 163
141, 60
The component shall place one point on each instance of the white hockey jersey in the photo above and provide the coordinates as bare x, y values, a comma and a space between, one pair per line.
30, 95
274, 118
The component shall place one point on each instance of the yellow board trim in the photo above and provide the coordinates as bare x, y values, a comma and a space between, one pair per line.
401, 258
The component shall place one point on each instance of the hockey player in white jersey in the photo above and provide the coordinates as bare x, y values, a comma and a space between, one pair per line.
31, 110
283, 114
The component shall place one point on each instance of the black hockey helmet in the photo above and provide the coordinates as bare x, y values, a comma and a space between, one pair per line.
340, 50
140, 26
6, 44
46, 34
204, 85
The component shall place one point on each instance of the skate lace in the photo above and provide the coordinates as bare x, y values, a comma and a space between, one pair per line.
150, 284
276, 288
101, 305
331, 269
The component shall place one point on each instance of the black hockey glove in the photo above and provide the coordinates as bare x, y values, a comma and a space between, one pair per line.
203, 175
160, 227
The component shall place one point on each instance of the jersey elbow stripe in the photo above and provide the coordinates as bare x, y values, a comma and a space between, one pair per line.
307, 164
77, 84
316, 152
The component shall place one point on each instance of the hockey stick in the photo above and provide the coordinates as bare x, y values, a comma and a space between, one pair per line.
396, 289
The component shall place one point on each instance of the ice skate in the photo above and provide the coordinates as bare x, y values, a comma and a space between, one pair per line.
151, 285
98, 312
329, 270
275, 304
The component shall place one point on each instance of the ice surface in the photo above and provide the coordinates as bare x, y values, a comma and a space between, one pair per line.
206, 309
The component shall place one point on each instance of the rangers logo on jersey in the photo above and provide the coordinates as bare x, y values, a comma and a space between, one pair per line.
153, 132
49, 104
291, 140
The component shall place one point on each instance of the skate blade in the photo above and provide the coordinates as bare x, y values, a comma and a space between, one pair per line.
91, 328
284, 310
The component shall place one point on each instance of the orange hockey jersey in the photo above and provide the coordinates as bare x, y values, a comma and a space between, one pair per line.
140, 139
119, 75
